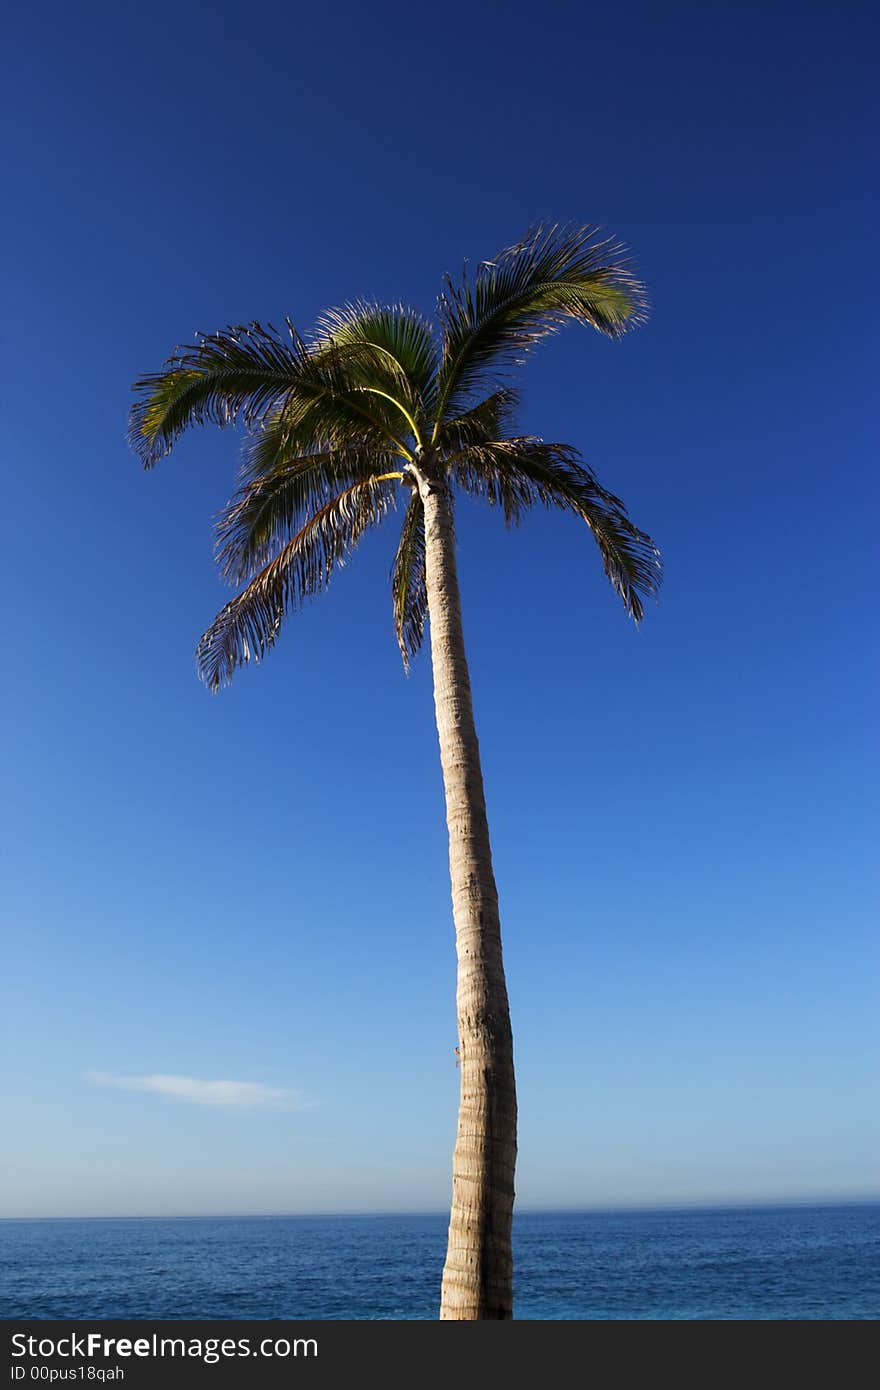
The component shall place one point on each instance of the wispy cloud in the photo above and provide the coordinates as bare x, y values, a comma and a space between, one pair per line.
239, 1095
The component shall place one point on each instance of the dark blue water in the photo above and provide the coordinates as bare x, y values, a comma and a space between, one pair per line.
817, 1262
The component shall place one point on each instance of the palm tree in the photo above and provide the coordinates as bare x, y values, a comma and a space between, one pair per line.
374, 407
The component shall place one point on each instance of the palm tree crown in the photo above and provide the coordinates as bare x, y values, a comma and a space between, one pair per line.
337, 421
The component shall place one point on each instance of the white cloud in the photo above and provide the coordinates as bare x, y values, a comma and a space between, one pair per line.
240, 1095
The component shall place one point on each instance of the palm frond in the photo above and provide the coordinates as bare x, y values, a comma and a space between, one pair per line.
517, 473
405, 346
247, 627
253, 372
280, 492
484, 470
242, 370
490, 419
525, 293
329, 407
409, 593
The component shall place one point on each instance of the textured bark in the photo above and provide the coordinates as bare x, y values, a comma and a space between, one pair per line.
478, 1275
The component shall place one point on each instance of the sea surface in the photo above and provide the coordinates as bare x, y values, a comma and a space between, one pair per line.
756, 1263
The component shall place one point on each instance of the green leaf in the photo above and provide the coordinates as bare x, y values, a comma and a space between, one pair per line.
241, 370
247, 627
488, 420
409, 593
254, 373
528, 291
405, 347
280, 494
518, 473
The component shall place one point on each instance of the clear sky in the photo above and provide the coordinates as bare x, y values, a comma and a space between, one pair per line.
252, 889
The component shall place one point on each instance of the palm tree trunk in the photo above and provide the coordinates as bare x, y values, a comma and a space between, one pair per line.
478, 1275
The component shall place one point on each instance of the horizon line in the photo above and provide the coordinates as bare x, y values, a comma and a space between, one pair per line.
609, 1209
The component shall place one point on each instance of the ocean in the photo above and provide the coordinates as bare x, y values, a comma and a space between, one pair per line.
757, 1263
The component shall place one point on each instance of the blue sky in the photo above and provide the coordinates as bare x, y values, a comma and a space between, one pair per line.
252, 889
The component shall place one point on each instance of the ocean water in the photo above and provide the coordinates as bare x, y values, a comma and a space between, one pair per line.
760, 1263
